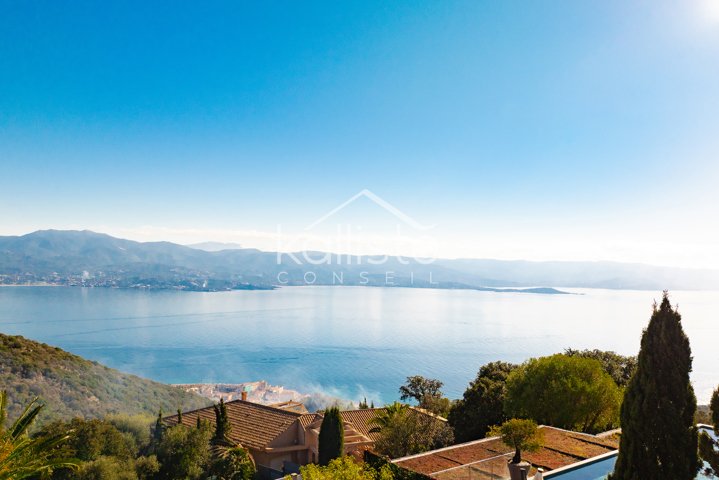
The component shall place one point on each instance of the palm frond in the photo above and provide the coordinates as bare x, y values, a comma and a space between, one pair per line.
24, 457
26, 418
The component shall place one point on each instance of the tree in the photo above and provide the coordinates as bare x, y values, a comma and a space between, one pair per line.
707, 445
345, 468
331, 439
566, 392
363, 404
482, 404
136, 426
106, 468
521, 435
440, 406
405, 431
233, 463
619, 367
659, 439
184, 453
109, 445
22, 456
418, 387
158, 429
147, 467
427, 392
223, 427
93, 439
385, 416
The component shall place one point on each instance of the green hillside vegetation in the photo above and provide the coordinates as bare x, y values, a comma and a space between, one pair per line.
71, 386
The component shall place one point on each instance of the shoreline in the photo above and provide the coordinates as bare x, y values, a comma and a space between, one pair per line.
525, 290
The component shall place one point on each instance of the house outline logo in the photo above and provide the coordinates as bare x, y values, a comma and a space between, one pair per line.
377, 200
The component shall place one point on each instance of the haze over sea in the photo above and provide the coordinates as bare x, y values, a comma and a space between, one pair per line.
347, 341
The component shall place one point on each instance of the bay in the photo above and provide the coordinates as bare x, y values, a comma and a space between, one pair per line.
352, 342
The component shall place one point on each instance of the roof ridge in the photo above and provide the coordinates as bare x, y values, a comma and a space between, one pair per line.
266, 407
244, 402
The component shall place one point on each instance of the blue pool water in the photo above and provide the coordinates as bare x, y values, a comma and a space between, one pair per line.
600, 469
592, 471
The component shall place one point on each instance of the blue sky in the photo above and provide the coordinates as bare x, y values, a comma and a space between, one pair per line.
562, 130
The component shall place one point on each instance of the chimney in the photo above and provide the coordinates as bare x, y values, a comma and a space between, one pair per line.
244, 395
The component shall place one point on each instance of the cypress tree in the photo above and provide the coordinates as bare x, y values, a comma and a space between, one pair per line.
659, 439
179, 416
222, 424
159, 429
331, 440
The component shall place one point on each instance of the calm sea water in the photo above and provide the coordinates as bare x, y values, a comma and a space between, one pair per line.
347, 341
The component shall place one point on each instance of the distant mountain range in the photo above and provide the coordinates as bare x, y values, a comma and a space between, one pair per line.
95, 259
215, 246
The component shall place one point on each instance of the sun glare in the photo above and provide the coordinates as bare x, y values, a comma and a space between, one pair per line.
709, 11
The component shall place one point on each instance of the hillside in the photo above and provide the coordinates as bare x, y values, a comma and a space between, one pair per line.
72, 386
93, 259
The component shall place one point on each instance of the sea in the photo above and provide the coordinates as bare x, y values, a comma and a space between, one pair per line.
348, 342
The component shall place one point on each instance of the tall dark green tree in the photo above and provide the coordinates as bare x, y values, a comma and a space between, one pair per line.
659, 439
158, 429
331, 440
223, 427
482, 405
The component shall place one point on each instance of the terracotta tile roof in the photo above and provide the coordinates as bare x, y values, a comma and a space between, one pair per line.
256, 426
307, 419
253, 425
359, 420
561, 448
291, 406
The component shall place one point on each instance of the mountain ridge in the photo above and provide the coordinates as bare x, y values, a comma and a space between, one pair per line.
89, 258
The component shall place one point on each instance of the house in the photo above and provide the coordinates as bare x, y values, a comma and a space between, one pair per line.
282, 437
487, 458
